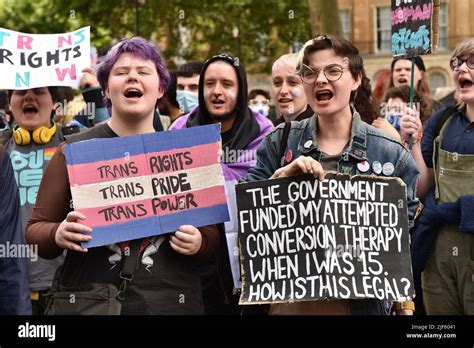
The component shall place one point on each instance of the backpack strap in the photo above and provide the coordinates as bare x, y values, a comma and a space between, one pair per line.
129, 266
284, 142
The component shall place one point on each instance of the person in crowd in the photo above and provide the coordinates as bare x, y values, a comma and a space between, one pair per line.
395, 101
443, 242
334, 139
94, 111
401, 76
187, 86
288, 92
30, 144
15, 294
5, 117
223, 99
134, 77
381, 84
259, 101
169, 108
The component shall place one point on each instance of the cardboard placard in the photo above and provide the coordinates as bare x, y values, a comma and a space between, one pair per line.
145, 185
39, 60
302, 239
412, 28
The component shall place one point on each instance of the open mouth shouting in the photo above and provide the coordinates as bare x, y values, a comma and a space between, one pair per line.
323, 96
402, 81
465, 83
30, 109
133, 93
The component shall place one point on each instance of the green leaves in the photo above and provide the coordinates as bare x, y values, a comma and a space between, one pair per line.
184, 29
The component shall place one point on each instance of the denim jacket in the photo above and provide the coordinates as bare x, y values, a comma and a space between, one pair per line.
367, 143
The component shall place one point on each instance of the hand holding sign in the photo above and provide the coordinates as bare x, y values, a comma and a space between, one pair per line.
302, 165
71, 231
89, 79
187, 240
410, 124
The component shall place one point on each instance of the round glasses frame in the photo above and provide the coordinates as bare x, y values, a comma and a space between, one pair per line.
456, 63
332, 72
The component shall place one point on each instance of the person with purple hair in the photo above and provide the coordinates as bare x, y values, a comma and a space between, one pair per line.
134, 77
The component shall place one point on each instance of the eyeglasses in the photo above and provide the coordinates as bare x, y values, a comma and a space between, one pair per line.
256, 102
332, 72
456, 63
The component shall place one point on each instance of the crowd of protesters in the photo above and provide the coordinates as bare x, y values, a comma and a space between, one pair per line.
320, 107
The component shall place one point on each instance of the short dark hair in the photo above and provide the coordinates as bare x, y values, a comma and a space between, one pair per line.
190, 69
254, 92
170, 93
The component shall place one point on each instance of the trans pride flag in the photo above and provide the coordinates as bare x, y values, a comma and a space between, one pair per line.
149, 184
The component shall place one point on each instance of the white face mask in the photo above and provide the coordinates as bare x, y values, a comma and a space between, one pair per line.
187, 101
260, 106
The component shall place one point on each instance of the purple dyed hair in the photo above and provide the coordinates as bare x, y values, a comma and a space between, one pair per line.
140, 48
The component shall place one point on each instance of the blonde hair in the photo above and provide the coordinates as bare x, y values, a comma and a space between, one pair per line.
289, 60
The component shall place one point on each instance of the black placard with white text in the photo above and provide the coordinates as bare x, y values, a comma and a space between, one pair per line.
304, 239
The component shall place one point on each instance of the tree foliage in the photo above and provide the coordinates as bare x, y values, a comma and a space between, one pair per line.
184, 29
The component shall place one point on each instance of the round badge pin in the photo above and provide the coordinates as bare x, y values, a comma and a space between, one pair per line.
363, 166
377, 167
288, 156
308, 144
388, 169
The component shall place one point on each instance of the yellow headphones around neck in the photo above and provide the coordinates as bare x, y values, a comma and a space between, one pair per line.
41, 135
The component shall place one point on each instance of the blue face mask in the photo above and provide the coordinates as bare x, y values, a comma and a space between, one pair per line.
187, 101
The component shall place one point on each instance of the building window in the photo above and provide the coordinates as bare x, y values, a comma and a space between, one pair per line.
436, 80
443, 26
384, 29
345, 16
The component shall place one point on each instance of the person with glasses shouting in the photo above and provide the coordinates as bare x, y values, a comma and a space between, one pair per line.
443, 242
334, 139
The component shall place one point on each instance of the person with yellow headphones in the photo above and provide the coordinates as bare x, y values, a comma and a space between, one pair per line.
30, 144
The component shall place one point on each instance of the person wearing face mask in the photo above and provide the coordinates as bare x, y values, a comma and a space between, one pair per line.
259, 101
334, 139
223, 99
187, 86
443, 242
288, 91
